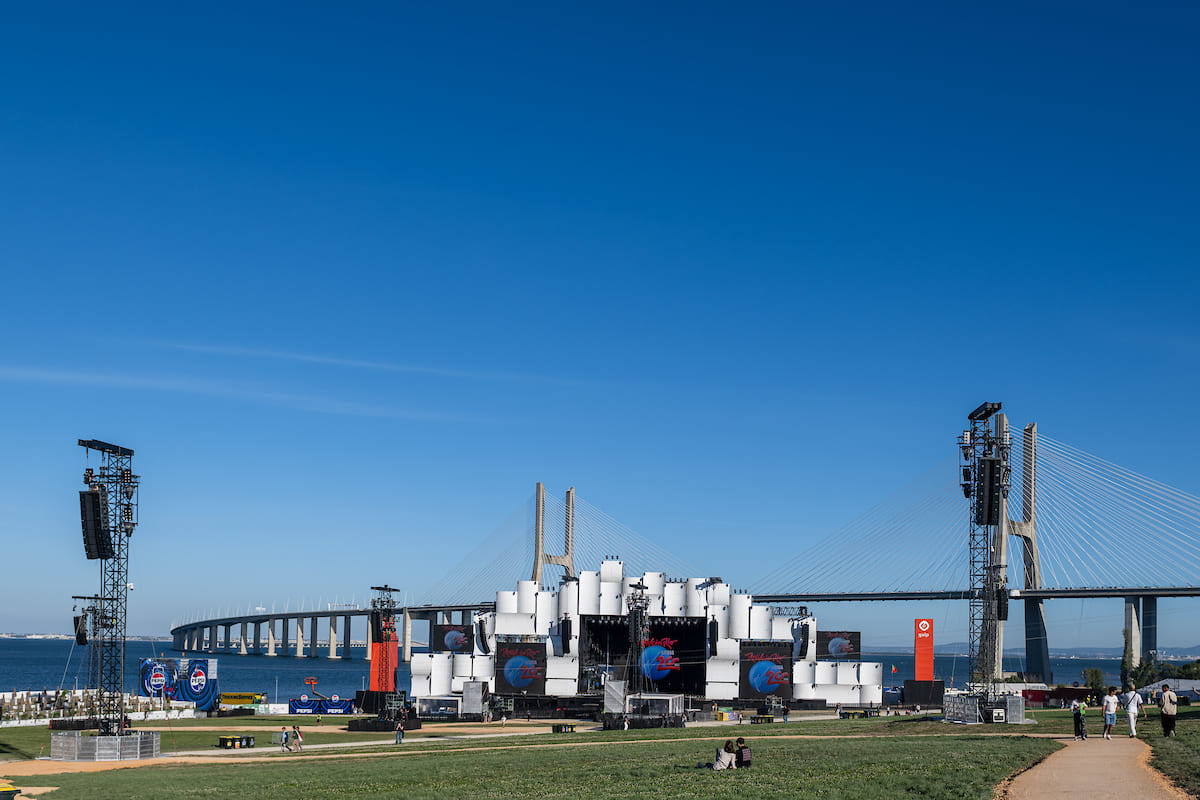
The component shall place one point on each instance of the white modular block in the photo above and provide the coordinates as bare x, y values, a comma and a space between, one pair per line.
612, 571
674, 600
489, 622
610, 597
589, 593
527, 597
483, 667
547, 612
456, 683
515, 625
568, 599
420, 686
440, 681
421, 665
739, 616
847, 673
722, 669
461, 665
562, 687
781, 629
694, 599
870, 694
826, 672
506, 602
627, 584
833, 694
655, 581
729, 648
562, 667
870, 673
810, 650
761, 618
804, 672
721, 691
655, 609
804, 691
718, 595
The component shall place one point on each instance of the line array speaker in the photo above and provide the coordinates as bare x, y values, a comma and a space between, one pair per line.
93, 513
81, 630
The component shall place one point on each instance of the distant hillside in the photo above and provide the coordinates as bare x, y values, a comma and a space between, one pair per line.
960, 649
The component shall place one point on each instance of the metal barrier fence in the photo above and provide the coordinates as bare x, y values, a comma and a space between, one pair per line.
74, 746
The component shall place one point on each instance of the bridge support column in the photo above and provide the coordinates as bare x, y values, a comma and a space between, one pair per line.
283, 638
312, 629
299, 651
228, 636
242, 640
370, 639
258, 638
346, 636
1037, 646
1149, 628
333, 642
271, 638
1133, 630
212, 639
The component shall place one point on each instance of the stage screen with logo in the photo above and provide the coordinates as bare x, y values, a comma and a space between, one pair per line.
452, 639
673, 654
190, 680
766, 670
520, 668
839, 645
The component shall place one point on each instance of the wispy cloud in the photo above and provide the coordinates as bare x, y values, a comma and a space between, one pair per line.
216, 388
382, 366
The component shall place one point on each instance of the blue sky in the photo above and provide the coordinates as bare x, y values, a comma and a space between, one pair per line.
350, 280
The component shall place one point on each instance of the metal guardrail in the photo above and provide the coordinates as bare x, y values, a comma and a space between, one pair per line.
74, 746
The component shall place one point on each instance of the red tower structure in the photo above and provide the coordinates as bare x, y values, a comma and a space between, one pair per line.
383, 639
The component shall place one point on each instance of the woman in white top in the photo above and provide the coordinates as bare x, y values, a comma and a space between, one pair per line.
725, 756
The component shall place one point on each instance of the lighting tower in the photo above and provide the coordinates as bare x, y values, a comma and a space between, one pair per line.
984, 462
109, 517
383, 634
639, 630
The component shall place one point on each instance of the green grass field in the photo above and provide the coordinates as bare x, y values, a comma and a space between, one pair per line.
874, 768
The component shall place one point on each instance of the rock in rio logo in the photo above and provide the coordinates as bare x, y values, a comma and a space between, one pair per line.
767, 677
658, 659
197, 679
520, 671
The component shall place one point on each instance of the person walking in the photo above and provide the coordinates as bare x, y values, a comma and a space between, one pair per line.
1109, 707
298, 738
1168, 704
283, 739
400, 731
1133, 703
1078, 710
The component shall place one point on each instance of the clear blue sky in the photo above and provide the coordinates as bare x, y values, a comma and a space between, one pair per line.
351, 279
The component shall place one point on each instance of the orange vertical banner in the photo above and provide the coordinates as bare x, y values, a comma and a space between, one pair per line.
923, 646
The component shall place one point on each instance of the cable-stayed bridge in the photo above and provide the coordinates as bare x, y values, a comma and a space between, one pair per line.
1086, 528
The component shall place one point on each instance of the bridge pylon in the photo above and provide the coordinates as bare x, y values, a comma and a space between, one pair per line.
540, 557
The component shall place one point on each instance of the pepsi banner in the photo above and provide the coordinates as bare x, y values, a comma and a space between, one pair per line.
839, 645
766, 670
452, 639
320, 706
188, 680
520, 668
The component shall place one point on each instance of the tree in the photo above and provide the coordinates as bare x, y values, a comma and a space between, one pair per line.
1093, 678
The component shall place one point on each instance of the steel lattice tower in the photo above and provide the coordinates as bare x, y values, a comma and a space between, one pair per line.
119, 486
384, 605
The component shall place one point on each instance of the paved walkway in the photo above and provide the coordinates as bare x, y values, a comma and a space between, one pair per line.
1094, 769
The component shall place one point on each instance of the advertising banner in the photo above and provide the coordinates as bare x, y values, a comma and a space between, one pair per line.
520, 668
315, 706
452, 639
766, 670
923, 647
839, 645
188, 680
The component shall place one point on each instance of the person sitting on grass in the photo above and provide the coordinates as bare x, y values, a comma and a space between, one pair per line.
725, 757
742, 757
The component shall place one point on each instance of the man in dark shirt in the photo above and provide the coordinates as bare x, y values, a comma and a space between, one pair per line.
741, 759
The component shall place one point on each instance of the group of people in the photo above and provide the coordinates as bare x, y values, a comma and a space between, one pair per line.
291, 740
1134, 705
731, 756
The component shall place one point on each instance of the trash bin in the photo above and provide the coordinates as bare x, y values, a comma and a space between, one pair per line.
247, 741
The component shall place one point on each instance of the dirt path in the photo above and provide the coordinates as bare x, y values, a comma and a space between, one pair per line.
1093, 769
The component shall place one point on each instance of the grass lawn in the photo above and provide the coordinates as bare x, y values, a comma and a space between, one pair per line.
874, 768
1179, 756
